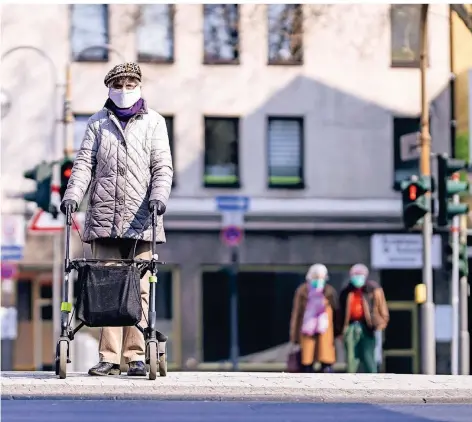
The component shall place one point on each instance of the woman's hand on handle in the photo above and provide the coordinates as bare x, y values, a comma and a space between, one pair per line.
69, 204
158, 206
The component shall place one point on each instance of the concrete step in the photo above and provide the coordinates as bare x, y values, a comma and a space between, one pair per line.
358, 388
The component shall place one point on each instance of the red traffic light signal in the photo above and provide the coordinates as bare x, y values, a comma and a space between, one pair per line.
66, 172
413, 192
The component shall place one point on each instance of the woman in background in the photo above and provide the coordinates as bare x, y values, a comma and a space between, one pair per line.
313, 320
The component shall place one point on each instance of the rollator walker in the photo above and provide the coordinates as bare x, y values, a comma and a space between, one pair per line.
156, 342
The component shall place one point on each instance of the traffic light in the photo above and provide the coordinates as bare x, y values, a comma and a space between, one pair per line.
42, 175
463, 258
66, 172
447, 187
415, 203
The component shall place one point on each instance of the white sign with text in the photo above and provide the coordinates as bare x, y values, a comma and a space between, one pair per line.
402, 251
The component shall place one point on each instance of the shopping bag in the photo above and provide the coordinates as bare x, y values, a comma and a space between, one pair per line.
294, 360
109, 295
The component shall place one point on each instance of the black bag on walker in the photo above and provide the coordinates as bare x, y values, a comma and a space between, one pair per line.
109, 295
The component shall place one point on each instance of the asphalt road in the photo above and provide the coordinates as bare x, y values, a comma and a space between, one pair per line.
200, 411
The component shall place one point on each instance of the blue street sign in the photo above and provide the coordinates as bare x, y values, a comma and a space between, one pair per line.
12, 253
232, 203
232, 235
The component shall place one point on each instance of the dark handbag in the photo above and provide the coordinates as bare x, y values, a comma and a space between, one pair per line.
294, 361
109, 295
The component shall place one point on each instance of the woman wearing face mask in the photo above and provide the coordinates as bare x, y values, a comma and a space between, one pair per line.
312, 321
362, 311
125, 159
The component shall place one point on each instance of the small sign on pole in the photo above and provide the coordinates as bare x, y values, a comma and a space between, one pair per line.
13, 238
231, 236
232, 210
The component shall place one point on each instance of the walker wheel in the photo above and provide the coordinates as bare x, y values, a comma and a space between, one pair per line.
62, 360
163, 363
152, 360
56, 362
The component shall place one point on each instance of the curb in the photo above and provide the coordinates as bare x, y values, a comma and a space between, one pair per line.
230, 394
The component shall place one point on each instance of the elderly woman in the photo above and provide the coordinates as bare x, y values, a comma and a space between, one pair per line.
126, 161
312, 322
363, 311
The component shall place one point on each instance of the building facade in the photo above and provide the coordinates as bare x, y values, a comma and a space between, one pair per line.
310, 112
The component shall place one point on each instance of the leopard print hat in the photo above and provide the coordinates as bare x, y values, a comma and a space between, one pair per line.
130, 70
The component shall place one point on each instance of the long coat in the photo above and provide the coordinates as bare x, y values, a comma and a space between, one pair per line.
376, 314
125, 170
319, 348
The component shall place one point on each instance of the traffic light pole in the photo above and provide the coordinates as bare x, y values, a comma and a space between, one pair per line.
428, 337
455, 288
464, 355
234, 342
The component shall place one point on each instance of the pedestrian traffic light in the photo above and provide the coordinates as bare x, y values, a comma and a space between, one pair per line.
415, 203
449, 186
66, 172
463, 259
42, 175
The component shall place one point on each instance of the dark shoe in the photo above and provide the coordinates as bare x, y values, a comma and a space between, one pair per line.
105, 368
307, 369
326, 369
137, 369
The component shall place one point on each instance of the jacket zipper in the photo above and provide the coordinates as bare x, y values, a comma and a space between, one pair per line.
123, 132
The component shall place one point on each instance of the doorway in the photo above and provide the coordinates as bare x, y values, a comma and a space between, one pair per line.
400, 346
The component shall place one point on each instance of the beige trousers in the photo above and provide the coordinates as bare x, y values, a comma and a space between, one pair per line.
129, 340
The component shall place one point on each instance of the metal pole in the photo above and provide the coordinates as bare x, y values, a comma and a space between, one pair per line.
234, 345
464, 355
428, 341
455, 288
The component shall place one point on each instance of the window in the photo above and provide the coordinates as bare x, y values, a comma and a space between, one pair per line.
23, 300
170, 133
405, 34
285, 23
89, 29
406, 157
285, 151
46, 310
221, 152
221, 33
80, 126
155, 33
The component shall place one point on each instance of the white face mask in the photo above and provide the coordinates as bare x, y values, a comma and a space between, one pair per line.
124, 98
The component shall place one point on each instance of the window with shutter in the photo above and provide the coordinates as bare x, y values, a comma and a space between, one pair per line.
285, 150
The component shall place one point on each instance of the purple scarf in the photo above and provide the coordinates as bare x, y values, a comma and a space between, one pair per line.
124, 114
315, 316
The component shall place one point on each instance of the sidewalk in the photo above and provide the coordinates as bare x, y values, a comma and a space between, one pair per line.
361, 388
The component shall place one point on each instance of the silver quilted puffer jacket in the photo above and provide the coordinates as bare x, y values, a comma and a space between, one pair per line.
125, 170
